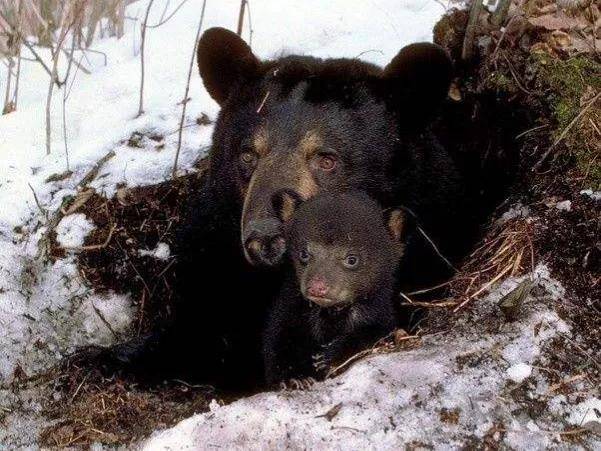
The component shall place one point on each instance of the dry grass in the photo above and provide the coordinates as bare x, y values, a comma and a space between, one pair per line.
507, 250
114, 411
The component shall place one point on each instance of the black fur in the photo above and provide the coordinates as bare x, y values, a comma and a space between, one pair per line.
304, 339
376, 120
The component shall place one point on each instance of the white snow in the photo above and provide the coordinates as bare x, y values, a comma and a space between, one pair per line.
595, 195
404, 397
72, 230
564, 205
519, 372
160, 252
516, 211
588, 411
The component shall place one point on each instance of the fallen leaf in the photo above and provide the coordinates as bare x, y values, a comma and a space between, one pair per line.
557, 22
560, 39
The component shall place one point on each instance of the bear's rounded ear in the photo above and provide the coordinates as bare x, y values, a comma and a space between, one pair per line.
396, 223
418, 79
223, 60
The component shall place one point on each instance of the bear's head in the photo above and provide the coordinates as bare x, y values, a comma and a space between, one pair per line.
303, 126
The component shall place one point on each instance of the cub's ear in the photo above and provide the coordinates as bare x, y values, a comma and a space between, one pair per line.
223, 60
417, 79
396, 221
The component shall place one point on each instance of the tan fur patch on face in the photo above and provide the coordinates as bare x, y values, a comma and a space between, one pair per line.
261, 142
306, 188
288, 207
310, 143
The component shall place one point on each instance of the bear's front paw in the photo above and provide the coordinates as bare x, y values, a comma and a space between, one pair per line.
321, 363
298, 384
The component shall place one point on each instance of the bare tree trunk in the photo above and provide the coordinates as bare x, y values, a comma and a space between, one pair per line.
65, 97
120, 19
53, 80
185, 101
17, 78
142, 45
470, 32
18, 46
500, 14
9, 73
241, 17
94, 19
46, 30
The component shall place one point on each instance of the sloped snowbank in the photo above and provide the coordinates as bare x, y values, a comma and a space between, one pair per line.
452, 390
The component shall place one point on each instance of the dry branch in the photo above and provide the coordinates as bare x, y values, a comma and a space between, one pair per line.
142, 47
185, 100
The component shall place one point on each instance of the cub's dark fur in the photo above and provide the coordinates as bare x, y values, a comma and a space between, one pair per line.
339, 295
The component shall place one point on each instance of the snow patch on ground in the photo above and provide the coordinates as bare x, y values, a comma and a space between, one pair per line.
595, 195
588, 411
516, 211
519, 372
160, 252
564, 205
450, 391
73, 229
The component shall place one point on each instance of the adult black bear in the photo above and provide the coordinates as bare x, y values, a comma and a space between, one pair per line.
304, 126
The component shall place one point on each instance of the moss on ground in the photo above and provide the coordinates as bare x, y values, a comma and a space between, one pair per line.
570, 86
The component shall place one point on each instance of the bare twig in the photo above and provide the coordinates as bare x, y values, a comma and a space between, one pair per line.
163, 21
45, 242
37, 202
241, 17
142, 46
470, 32
575, 120
263, 102
65, 96
250, 26
69, 56
500, 14
94, 247
185, 100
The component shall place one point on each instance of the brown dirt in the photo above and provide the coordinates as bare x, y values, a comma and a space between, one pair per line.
92, 408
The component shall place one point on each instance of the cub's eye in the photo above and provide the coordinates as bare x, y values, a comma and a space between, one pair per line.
326, 162
248, 159
351, 261
304, 256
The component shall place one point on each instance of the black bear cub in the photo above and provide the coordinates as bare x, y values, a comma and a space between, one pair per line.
339, 294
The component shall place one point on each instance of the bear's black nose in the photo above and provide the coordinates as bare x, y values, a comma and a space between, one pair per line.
264, 244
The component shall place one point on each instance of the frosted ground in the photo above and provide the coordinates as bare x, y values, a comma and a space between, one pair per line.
422, 395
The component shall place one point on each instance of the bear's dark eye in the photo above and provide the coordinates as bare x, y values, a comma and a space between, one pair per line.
326, 162
248, 159
304, 256
351, 261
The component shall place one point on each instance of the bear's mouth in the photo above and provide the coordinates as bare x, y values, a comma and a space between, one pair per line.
327, 303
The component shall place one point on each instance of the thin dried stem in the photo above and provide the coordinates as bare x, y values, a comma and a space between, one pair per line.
185, 100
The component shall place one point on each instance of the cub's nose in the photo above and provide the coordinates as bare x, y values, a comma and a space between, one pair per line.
264, 244
317, 287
